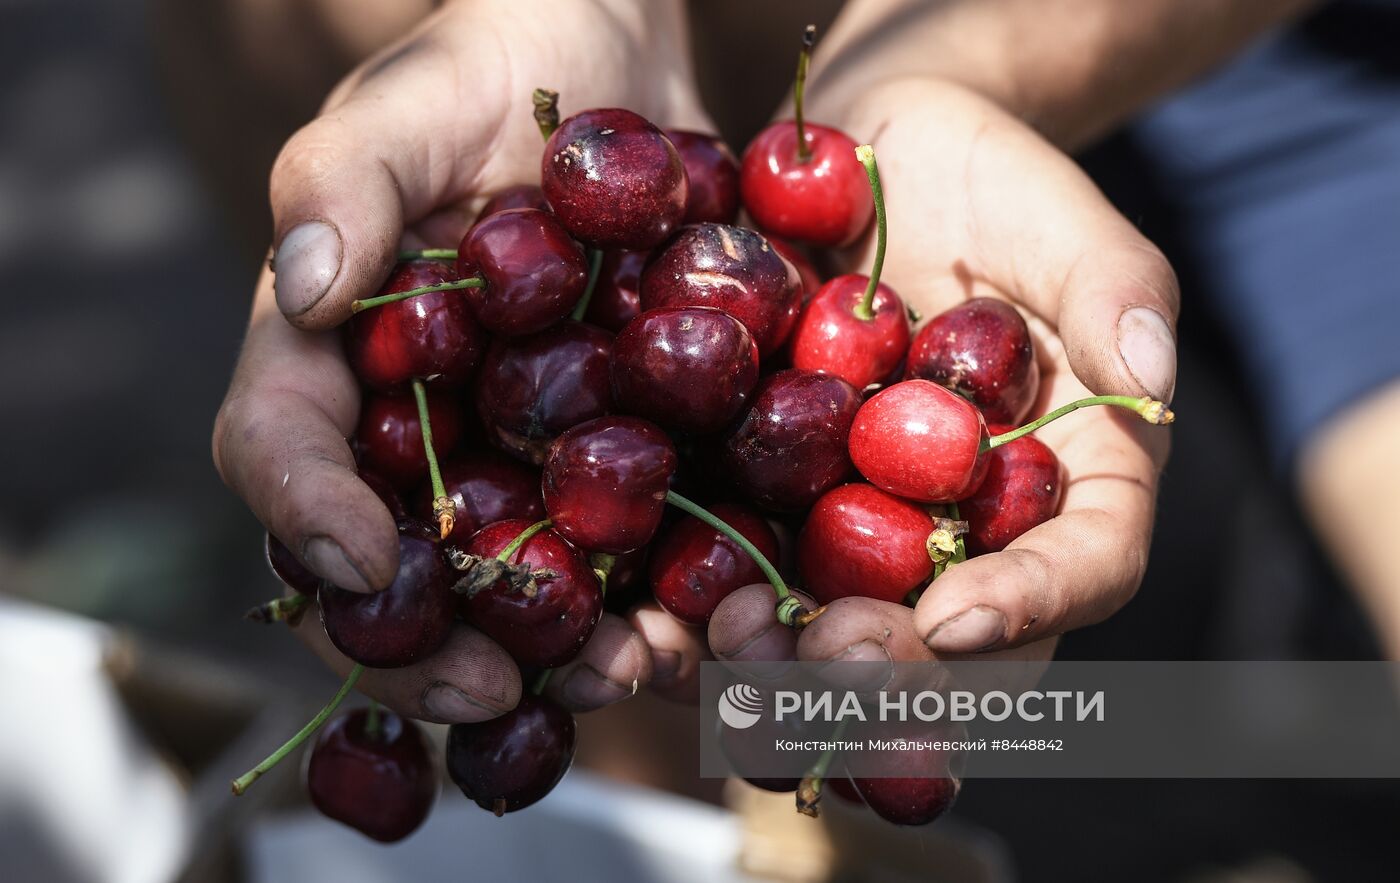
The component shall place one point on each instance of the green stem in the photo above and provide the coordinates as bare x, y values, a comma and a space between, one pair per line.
541, 682
1152, 411
429, 254
546, 103
595, 264
602, 564
788, 606
804, 59
809, 792
524, 536
444, 509
360, 306
866, 308
279, 609
372, 722
242, 783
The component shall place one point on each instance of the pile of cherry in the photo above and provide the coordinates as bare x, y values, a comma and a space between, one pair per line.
607, 343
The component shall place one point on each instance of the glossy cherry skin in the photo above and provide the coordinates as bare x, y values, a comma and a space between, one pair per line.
531, 389
980, 349
551, 628
429, 337
617, 297
289, 569
605, 483
514, 196
486, 487
534, 272
791, 445
382, 785
694, 567
713, 173
831, 338
1022, 489
910, 787
806, 270
390, 439
917, 440
732, 269
824, 201
509, 762
690, 369
404, 623
860, 541
614, 180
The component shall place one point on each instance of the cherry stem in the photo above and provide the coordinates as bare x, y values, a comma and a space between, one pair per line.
595, 265
444, 509
788, 605
541, 682
243, 782
521, 539
866, 308
279, 609
809, 792
360, 306
602, 564
1147, 408
372, 722
959, 551
429, 254
546, 103
804, 58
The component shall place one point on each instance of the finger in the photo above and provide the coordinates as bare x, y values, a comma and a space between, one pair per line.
745, 628
676, 652
613, 665
280, 444
470, 678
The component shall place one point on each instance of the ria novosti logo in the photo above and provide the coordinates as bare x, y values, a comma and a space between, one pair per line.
740, 706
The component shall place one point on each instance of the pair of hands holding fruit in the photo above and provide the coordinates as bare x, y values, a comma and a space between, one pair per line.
421, 135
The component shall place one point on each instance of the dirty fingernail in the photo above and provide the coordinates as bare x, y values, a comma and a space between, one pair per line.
325, 556
1149, 350
978, 628
305, 265
587, 689
445, 702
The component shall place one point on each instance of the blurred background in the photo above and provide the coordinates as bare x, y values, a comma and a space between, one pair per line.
134, 145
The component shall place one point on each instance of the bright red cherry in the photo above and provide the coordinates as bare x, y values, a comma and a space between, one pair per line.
514, 196
823, 200
713, 173
694, 567
916, 439
381, 783
831, 337
687, 368
530, 389
617, 297
605, 483
390, 438
732, 269
486, 487
614, 180
549, 628
806, 270
428, 337
980, 349
1021, 490
791, 445
534, 272
404, 623
510, 762
861, 541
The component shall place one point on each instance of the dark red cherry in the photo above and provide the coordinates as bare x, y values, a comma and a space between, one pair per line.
916, 439
627, 581
534, 272
687, 368
514, 196
486, 487
980, 349
841, 785
732, 269
860, 541
386, 493
713, 173
289, 569
830, 337
617, 296
909, 786
791, 445
550, 628
390, 438
404, 623
509, 762
530, 389
823, 201
1021, 490
806, 270
429, 337
382, 784
614, 180
605, 483
694, 567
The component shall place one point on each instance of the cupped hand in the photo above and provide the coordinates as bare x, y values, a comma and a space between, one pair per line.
404, 151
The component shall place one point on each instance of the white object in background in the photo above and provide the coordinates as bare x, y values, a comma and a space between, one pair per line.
82, 796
